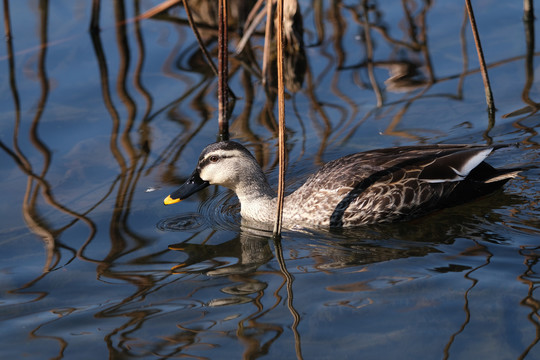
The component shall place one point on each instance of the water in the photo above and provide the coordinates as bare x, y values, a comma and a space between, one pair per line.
98, 127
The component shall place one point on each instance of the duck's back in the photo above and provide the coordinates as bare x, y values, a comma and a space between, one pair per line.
393, 184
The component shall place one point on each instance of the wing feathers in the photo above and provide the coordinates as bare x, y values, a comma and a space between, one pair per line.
455, 166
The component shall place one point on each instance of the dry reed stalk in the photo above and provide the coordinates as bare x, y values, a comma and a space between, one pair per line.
281, 116
223, 59
487, 87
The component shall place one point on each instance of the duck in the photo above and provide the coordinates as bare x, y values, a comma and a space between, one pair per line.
376, 186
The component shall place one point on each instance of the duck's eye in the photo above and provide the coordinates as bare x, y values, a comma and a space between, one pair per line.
214, 158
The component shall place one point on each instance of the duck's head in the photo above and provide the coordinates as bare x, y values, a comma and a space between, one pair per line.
225, 163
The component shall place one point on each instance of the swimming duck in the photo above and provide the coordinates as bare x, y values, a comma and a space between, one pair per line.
377, 186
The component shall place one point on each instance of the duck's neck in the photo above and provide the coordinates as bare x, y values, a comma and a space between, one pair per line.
257, 199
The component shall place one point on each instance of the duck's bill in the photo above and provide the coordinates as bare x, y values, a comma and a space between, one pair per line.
190, 187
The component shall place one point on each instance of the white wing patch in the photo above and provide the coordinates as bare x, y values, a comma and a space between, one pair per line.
436, 181
473, 162
465, 168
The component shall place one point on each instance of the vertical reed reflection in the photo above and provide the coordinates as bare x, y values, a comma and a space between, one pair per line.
252, 251
529, 66
464, 54
123, 238
137, 80
21, 160
290, 298
94, 17
369, 53
532, 280
118, 225
476, 250
37, 183
531, 107
404, 74
29, 203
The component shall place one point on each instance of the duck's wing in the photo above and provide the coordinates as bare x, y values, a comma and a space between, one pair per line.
430, 163
397, 183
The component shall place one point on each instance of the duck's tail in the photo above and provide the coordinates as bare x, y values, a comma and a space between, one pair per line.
503, 175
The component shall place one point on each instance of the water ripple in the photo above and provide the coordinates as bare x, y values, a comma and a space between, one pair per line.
183, 222
219, 212
222, 211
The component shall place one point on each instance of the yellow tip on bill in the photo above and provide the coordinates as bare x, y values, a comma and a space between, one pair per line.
169, 200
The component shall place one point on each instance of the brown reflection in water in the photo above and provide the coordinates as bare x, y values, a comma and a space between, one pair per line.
404, 74
144, 129
411, 72
119, 230
369, 54
532, 280
252, 252
531, 106
36, 183
183, 342
30, 199
94, 17
131, 158
477, 250
63, 344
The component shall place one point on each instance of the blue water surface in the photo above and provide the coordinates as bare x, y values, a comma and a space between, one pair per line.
98, 125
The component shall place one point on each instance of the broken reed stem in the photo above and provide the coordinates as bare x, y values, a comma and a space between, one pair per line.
223, 96
281, 116
487, 87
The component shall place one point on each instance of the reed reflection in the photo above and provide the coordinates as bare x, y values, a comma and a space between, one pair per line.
190, 310
476, 250
124, 239
37, 184
531, 107
531, 279
410, 67
121, 235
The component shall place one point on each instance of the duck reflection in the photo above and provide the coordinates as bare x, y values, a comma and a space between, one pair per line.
403, 76
250, 251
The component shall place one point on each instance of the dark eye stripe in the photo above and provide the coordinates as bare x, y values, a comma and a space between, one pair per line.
206, 161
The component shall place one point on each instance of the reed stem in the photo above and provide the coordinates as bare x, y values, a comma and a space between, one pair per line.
487, 87
281, 116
